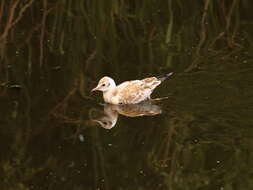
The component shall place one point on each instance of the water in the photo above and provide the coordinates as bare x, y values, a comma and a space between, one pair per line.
55, 134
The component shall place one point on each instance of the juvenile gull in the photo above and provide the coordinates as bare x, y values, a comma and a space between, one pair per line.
129, 92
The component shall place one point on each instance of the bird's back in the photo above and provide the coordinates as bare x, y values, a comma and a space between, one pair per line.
135, 91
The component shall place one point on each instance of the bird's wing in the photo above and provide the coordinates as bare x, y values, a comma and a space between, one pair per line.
151, 82
131, 92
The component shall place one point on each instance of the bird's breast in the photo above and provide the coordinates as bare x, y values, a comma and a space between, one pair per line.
111, 97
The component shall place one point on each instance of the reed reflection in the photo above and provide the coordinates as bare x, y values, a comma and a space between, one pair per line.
109, 117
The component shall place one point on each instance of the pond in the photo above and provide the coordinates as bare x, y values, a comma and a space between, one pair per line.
56, 134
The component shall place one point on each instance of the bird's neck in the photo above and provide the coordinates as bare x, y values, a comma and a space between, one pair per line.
110, 96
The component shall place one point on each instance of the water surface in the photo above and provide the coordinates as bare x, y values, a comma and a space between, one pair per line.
200, 137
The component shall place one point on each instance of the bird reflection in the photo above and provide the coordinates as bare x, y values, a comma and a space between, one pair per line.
110, 114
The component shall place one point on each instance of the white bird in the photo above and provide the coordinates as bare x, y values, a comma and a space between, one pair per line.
129, 92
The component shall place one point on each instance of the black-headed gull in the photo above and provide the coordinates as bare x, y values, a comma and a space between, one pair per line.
128, 92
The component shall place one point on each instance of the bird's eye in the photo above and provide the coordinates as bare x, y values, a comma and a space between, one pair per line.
103, 84
105, 123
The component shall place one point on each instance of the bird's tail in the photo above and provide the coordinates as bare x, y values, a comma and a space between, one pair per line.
164, 77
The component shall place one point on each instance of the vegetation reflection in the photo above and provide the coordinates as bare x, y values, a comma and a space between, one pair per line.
51, 54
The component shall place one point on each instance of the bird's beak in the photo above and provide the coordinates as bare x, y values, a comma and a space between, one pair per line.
94, 89
95, 121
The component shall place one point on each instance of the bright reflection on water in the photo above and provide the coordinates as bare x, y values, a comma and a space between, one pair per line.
111, 112
54, 132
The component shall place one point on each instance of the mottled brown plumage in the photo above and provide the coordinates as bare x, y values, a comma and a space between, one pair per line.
129, 92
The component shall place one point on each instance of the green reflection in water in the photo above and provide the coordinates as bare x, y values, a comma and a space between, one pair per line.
52, 54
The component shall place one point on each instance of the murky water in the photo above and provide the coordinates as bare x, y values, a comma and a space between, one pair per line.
55, 134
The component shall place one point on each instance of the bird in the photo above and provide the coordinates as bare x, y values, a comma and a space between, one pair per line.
128, 92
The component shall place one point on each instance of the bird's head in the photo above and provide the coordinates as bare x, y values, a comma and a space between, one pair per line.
105, 84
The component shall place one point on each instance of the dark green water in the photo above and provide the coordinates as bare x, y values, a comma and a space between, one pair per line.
53, 54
